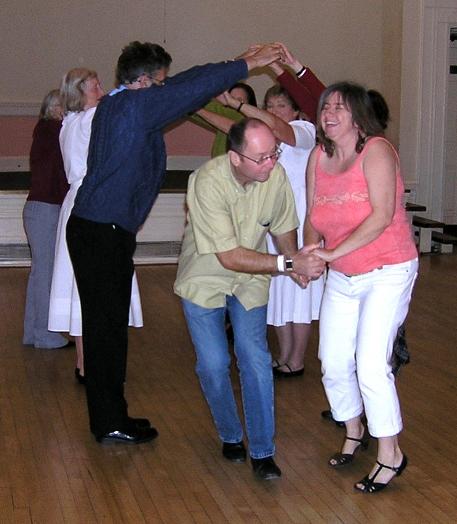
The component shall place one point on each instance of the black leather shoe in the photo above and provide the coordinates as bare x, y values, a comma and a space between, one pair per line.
265, 468
135, 435
235, 452
139, 422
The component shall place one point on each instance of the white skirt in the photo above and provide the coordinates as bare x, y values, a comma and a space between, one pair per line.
288, 302
65, 305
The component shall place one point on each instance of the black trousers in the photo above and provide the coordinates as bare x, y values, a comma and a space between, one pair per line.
101, 255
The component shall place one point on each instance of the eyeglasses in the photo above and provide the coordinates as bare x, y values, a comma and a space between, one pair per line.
264, 159
151, 78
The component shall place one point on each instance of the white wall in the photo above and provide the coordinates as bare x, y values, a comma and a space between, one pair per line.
339, 39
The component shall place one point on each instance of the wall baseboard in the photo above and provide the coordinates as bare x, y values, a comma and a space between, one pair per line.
176, 163
10, 164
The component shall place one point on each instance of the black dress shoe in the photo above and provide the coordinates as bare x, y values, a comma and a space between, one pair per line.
235, 452
265, 468
139, 422
134, 435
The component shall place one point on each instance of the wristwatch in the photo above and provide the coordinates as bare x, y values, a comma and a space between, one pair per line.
289, 264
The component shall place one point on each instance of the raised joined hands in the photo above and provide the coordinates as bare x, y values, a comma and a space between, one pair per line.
260, 55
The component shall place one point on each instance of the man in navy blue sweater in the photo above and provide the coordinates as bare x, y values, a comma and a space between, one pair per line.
125, 170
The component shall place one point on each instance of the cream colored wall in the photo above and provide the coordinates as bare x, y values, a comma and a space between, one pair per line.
390, 85
339, 39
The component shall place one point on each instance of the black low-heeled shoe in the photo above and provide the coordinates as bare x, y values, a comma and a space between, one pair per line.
368, 485
275, 363
344, 459
279, 373
80, 378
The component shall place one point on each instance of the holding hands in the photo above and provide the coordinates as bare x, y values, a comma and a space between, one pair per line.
289, 59
260, 55
328, 255
307, 265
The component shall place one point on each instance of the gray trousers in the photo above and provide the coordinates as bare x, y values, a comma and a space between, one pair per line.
40, 224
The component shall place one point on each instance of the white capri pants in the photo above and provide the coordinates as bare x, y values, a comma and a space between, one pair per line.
360, 316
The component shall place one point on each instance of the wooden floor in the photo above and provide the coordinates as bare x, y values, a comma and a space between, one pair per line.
52, 470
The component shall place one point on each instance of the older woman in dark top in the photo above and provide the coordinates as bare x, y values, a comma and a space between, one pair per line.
41, 213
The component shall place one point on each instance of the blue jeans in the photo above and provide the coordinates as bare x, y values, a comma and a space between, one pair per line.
207, 329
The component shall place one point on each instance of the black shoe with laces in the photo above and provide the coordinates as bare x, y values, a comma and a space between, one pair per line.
234, 451
132, 435
265, 468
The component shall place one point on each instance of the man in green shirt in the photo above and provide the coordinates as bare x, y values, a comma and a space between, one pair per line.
234, 201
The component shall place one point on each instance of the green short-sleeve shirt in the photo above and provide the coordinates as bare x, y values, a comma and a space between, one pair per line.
219, 146
223, 215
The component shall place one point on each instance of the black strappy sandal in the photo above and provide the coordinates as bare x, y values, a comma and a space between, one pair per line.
275, 363
368, 485
344, 459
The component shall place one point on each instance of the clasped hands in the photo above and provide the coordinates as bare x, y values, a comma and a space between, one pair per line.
309, 264
266, 54
260, 55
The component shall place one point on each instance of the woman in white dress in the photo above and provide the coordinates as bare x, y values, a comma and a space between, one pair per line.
291, 308
80, 91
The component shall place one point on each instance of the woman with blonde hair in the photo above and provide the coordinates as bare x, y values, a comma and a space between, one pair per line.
80, 93
48, 187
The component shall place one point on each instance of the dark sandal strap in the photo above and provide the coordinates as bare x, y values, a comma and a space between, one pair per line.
360, 440
393, 468
378, 471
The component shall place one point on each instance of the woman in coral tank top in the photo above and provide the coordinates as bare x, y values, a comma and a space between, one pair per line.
355, 205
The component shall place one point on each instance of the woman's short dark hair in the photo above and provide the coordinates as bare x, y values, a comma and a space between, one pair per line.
355, 97
278, 90
380, 107
250, 95
138, 58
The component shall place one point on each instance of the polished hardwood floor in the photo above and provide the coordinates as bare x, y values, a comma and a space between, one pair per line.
52, 470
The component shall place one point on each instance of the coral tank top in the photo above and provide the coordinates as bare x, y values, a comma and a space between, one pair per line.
341, 203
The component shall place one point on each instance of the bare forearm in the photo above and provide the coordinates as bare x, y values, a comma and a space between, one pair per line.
243, 260
287, 244
218, 121
310, 235
282, 130
372, 227
260, 114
